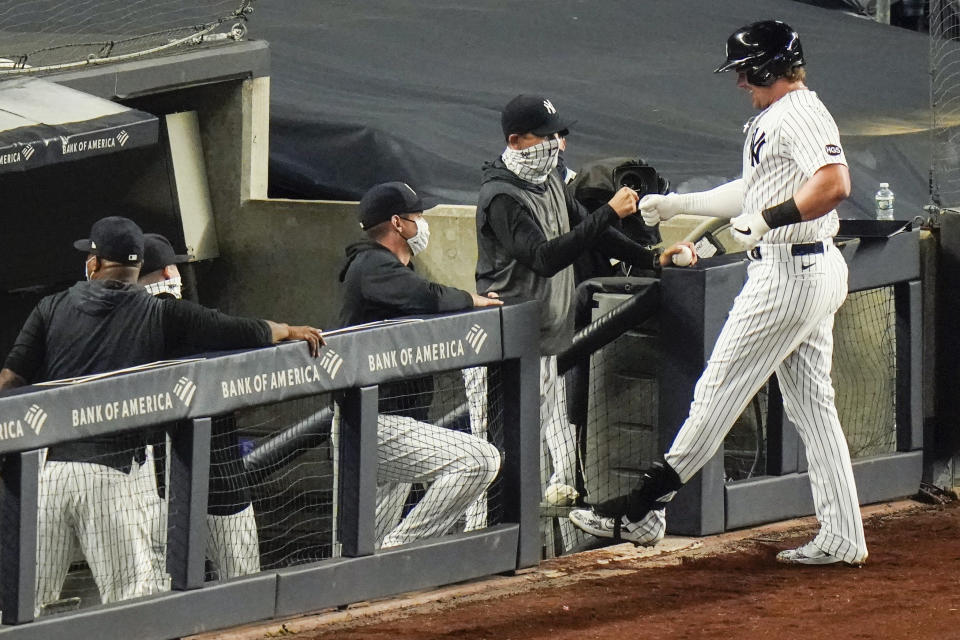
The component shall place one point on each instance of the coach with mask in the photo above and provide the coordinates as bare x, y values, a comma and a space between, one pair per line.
379, 283
530, 231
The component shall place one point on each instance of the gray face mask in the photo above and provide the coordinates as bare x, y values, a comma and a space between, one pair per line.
418, 242
171, 286
534, 163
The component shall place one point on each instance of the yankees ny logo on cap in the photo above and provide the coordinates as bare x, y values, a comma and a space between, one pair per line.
549, 106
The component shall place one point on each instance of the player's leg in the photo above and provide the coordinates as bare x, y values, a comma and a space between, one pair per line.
558, 433
559, 436
769, 318
391, 496
459, 467
154, 508
233, 545
113, 536
475, 385
808, 399
56, 541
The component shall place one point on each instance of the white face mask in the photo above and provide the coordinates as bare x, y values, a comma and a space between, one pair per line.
86, 268
418, 242
534, 163
171, 286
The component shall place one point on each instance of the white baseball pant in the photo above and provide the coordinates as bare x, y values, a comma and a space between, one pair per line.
782, 322
101, 510
458, 466
392, 497
475, 385
559, 437
232, 542
233, 545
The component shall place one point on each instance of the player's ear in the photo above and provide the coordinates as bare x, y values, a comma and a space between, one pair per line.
513, 141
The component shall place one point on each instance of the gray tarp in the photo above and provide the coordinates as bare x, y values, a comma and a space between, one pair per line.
411, 89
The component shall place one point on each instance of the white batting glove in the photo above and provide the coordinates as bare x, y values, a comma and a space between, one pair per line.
747, 229
654, 208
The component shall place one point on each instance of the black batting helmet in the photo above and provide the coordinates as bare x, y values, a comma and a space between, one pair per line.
764, 51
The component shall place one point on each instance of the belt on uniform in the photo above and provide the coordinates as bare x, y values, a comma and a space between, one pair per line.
799, 249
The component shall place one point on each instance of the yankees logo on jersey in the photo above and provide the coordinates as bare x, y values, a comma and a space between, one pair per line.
756, 143
787, 143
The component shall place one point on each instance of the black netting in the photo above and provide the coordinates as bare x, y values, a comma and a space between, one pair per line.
440, 449
43, 34
101, 524
290, 469
864, 371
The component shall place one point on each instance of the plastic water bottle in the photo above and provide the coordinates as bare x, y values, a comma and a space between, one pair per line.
884, 200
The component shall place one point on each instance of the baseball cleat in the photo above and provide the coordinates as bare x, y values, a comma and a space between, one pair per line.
647, 532
812, 555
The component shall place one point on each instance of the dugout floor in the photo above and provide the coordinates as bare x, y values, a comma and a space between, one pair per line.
722, 586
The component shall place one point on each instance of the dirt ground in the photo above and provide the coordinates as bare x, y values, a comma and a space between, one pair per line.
726, 586
910, 588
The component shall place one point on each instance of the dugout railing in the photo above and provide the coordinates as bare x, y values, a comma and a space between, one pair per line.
694, 306
631, 375
186, 395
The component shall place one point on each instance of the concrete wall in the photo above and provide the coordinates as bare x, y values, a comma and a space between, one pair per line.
280, 259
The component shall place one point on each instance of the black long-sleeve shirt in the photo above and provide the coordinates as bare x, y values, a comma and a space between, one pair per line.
104, 325
377, 286
523, 239
528, 238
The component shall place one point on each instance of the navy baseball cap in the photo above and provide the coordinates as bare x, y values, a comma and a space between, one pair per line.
383, 201
158, 253
114, 238
532, 114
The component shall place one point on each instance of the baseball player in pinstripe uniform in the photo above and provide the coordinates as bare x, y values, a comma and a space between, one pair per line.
783, 211
233, 547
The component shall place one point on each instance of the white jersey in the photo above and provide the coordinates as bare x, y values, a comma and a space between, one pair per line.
786, 144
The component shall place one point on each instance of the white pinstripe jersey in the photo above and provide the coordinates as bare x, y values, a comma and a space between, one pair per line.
786, 144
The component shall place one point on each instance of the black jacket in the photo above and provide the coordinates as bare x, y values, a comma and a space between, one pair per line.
529, 236
103, 325
377, 286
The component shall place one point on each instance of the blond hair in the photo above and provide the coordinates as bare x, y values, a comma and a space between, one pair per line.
797, 74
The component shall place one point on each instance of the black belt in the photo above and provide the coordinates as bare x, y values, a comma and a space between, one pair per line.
800, 249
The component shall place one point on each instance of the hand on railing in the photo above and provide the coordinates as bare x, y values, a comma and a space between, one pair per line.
313, 336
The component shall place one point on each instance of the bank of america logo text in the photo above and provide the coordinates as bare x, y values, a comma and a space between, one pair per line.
331, 363
36, 417
184, 389
476, 336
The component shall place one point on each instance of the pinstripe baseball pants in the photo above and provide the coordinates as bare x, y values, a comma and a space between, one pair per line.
782, 322
102, 510
458, 466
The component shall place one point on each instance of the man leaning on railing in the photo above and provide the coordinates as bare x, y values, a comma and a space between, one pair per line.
108, 322
379, 283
